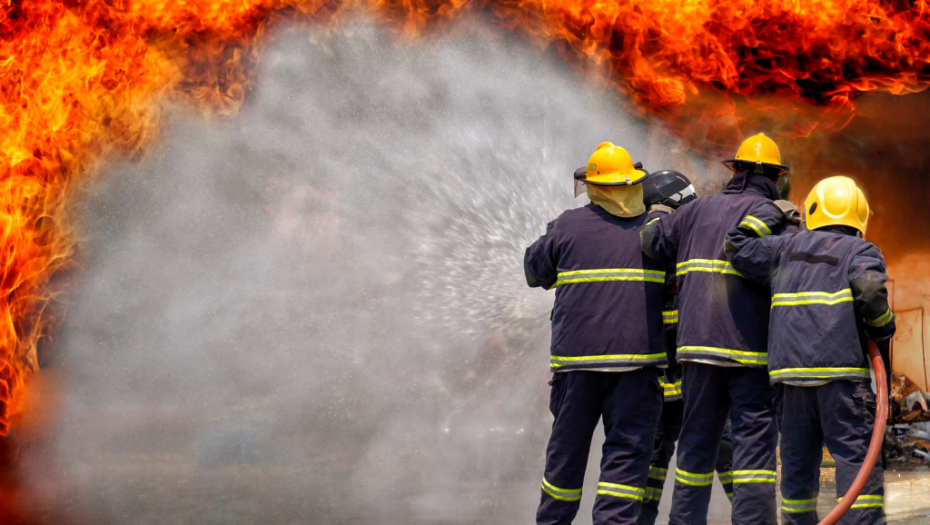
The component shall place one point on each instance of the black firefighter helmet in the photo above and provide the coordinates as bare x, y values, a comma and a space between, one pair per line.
669, 188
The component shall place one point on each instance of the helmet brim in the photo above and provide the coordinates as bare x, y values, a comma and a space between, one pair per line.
731, 162
617, 179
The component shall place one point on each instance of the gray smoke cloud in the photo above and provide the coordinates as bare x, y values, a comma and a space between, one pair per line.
316, 312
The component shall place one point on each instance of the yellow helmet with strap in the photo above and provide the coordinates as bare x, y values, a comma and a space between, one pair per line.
836, 201
760, 151
611, 165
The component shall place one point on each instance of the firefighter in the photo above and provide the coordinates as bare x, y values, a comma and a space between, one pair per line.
828, 294
722, 335
664, 192
607, 343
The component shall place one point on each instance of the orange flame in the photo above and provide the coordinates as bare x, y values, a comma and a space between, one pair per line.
80, 79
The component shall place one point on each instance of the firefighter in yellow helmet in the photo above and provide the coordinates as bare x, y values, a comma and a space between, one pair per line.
607, 342
722, 341
828, 292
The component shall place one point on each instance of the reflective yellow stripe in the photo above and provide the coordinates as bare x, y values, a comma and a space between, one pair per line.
670, 390
670, 316
658, 473
560, 494
620, 491
695, 480
725, 477
706, 265
882, 320
866, 502
797, 299
754, 476
740, 356
611, 274
557, 361
653, 494
760, 227
799, 505
819, 373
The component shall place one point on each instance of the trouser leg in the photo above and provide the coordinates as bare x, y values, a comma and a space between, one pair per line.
755, 436
707, 404
801, 454
575, 401
724, 465
848, 416
666, 436
631, 411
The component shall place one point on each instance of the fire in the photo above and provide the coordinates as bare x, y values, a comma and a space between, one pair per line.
82, 79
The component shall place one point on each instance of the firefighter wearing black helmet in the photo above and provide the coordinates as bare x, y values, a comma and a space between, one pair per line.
722, 342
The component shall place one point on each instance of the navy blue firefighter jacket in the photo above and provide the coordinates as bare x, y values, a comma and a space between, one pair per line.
721, 316
608, 296
828, 292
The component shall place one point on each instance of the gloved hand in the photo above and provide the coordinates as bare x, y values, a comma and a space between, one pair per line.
661, 208
789, 210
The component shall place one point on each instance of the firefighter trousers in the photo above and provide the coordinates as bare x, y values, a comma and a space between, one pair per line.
666, 436
841, 415
712, 394
630, 404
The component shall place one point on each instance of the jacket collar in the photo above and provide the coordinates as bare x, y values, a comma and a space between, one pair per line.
753, 182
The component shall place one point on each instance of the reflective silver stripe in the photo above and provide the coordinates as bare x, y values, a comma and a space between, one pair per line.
558, 361
653, 493
819, 373
620, 491
800, 298
754, 476
658, 473
740, 356
799, 505
725, 477
866, 502
706, 265
561, 494
758, 226
612, 274
695, 480
882, 320
670, 316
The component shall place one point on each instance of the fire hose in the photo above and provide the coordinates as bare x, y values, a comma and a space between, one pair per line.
875, 446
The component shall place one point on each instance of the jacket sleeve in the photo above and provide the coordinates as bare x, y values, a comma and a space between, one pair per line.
751, 248
867, 281
540, 262
661, 235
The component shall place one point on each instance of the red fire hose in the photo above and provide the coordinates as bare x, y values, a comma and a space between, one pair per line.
875, 446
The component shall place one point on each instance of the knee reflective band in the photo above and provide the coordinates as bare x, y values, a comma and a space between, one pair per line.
795, 506
725, 477
706, 265
797, 299
611, 274
620, 491
668, 390
866, 502
754, 476
671, 317
658, 473
695, 480
653, 493
740, 356
561, 494
819, 373
878, 322
758, 226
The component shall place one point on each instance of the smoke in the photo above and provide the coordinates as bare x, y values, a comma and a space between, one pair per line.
316, 313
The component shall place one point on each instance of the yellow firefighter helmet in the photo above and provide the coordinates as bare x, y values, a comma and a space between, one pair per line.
760, 151
836, 201
612, 166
